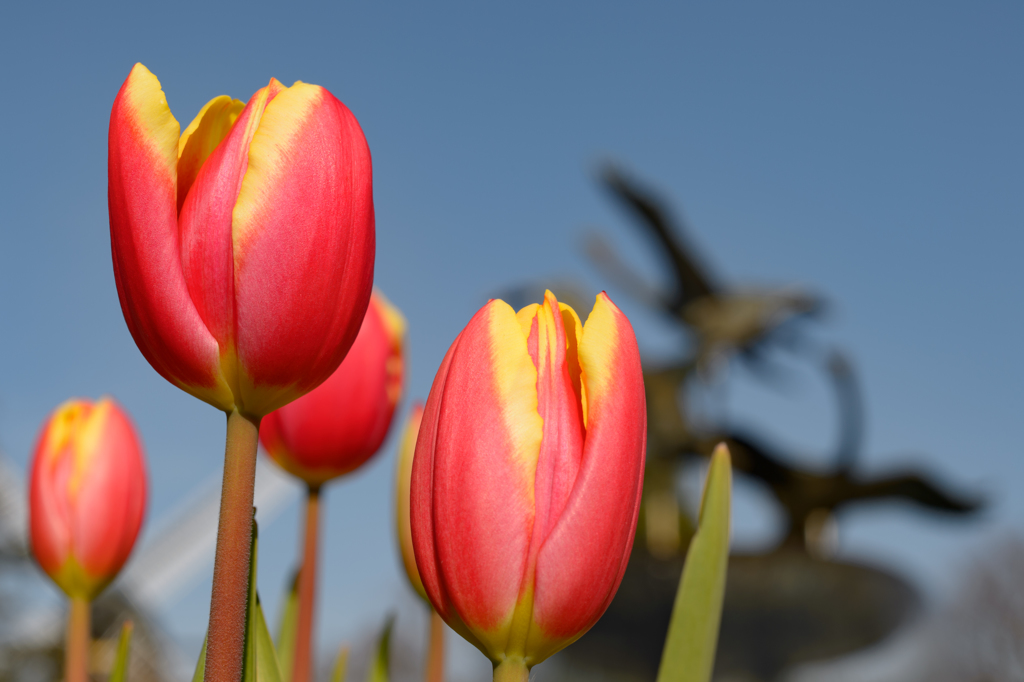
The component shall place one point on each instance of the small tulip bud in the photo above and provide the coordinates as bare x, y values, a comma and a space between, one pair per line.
87, 495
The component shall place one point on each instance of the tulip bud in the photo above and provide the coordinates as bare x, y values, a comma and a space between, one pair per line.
527, 476
243, 247
87, 495
403, 479
336, 427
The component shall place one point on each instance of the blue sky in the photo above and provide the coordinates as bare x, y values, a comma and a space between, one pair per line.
871, 151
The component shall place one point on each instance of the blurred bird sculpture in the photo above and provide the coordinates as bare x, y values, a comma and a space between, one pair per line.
746, 323
723, 320
811, 497
795, 602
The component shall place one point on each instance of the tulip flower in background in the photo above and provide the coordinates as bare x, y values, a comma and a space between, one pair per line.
434, 669
333, 430
527, 477
87, 496
243, 256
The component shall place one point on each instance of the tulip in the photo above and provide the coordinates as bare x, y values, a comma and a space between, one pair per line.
434, 670
403, 480
527, 477
243, 248
243, 256
87, 495
334, 429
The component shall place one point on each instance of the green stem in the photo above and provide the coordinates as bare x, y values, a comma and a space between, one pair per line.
435, 651
511, 670
307, 590
76, 656
230, 596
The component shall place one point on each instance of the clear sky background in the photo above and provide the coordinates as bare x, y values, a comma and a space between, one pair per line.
873, 152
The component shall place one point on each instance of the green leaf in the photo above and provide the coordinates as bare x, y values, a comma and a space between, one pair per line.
379, 670
200, 664
286, 630
340, 665
689, 652
267, 668
259, 658
120, 670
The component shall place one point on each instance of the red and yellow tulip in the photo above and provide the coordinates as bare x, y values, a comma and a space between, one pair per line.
336, 427
527, 477
87, 495
243, 255
332, 430
434, 668
243, 247
403, 480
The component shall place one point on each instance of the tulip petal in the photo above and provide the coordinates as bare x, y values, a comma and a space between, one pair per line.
561, 447
394, 325
421, 501
207, 130
573, 330
339, 425
483, 478
50, 514
573, 335
403, 481
111, 495
558, 404
582, 561
142, 196
53, 469
205, 225
303, 245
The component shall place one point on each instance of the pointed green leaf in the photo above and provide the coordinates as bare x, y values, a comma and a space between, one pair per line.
267, 669
200, 664
259, 658
120, 670
287, 628
689, 652
340, 665
249, 669
379, 669
266, 663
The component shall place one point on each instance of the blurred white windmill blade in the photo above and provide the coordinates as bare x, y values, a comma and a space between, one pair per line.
182, 542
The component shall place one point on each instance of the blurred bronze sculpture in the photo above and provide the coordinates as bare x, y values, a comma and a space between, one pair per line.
793, 603
807, 495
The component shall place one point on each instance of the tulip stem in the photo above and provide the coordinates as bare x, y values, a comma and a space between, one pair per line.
307, 590
511, 670
435, 652
76, 656
230, 597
